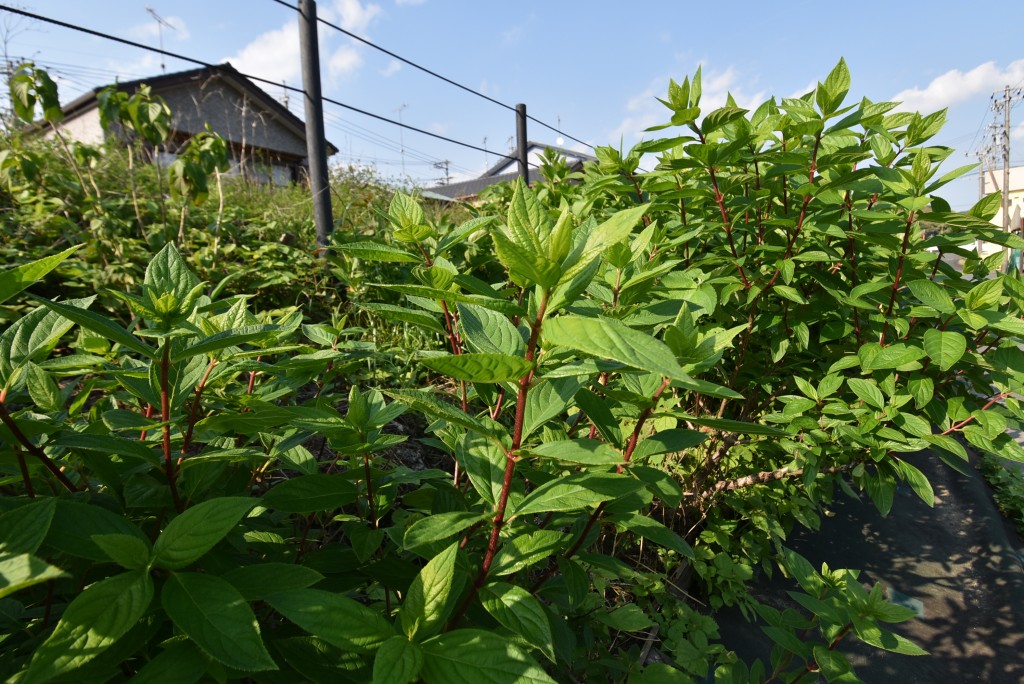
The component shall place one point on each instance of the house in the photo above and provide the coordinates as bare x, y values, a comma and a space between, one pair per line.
1016, 204
508, 170
267, 141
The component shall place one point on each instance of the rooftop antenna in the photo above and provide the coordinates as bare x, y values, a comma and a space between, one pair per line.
559, 140
160, 23
401, 138
486, 164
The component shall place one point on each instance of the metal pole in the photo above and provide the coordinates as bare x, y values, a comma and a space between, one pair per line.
524, 170
316, 142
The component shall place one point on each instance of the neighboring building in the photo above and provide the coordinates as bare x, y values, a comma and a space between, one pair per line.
1016, 193
267, 142
508, 170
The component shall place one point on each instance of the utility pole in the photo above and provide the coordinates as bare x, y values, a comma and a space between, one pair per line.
443, 166
524, 169
160, 23
316, 142
1003, 144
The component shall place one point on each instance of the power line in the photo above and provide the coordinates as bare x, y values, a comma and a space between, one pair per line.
259, 79
434, 73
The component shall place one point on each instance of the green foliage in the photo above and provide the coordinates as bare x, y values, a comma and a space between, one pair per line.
618, 382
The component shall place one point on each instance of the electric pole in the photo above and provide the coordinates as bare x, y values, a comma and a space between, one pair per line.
1001, 142
443, 166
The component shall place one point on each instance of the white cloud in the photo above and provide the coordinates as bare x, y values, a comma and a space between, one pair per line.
409, 3
955, 86
344, 61
644, 111
438, 127
351, 15
1017, 132
393, 67
273, 55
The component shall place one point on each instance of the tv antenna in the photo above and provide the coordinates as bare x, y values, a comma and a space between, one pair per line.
160, 24
401, 138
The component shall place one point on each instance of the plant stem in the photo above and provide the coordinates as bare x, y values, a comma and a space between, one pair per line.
25, 477
193, 414
170, 467
510, 464
31, 447
899, 272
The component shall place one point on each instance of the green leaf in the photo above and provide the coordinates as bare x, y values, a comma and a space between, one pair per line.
214, 615
225, 339
945, 347
484, 462
832, 664
654, 531
470, 656
741, 427
108, 445
609, 339
405, 212
91, 624
627, 618
400, 314
336, 619
577, 491
41, 388
480, 367
189, 536
124, 549
14, 280
527, 222
489, 332
310, 494
590, 452
669, 442
896, 356
548, 400
917, 481
431, 595
75, 523
985, 294
597, 410
100, 325
424, 402
525, 267
867, 391
167, 273
256, 582
25, 570
23, 529
616, 229
872, 634
932, 294
524, 550
438, 527
180, 663
377, 251
398, 661
516, 609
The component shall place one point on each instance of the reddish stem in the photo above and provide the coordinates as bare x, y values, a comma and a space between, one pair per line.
7, 420
170, 467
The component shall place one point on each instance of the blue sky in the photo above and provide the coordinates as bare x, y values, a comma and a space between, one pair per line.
591, 68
